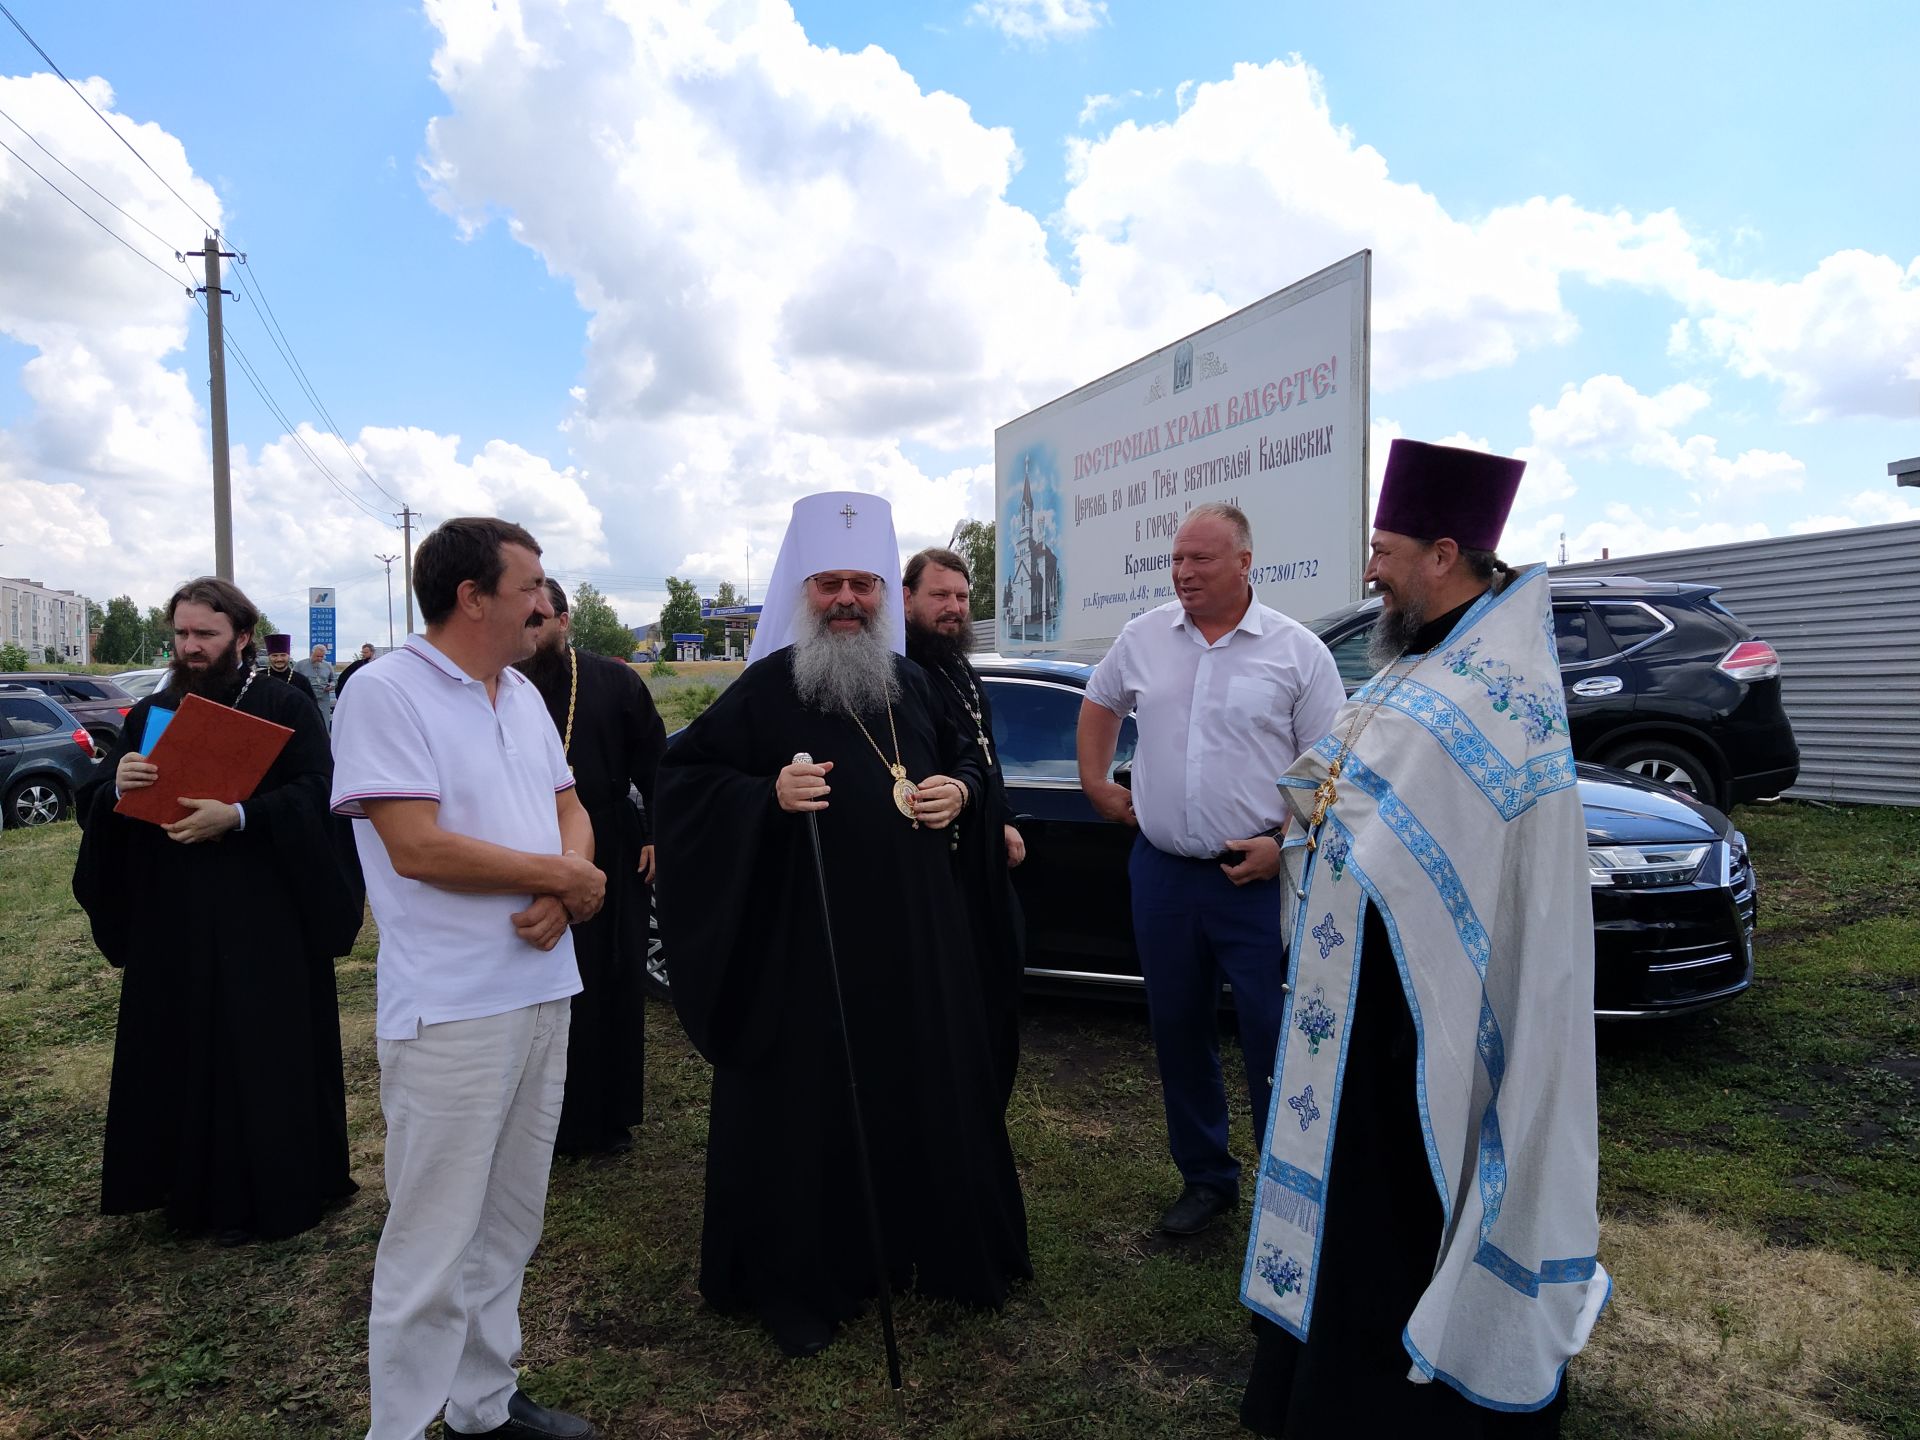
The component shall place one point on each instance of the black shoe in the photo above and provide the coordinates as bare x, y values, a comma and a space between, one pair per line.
1195, 1209
798, 1332
528, 1421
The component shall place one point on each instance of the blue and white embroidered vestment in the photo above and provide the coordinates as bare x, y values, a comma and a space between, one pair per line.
1458, 819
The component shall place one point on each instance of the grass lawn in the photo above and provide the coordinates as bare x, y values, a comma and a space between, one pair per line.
1760, 1198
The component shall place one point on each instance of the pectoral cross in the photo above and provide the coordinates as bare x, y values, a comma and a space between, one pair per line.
849, 512
986, 746
1324, 796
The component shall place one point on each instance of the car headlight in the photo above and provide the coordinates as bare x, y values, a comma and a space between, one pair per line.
1643, 866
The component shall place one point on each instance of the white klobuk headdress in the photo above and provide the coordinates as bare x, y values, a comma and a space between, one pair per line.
838, 530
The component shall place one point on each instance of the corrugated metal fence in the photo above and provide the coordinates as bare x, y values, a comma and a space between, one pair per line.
1843, 610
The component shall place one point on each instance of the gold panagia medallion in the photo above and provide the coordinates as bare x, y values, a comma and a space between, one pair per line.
903, 793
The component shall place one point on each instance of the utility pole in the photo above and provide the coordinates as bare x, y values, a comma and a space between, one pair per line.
407, 512
387, 560
217, 403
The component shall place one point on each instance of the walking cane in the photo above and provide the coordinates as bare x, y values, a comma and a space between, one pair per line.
859, 1124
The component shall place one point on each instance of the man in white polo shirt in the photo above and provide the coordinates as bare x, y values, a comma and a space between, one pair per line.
478, 856
1227, 693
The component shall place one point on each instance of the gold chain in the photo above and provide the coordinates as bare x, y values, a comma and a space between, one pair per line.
573, 696
903, 791
896, 769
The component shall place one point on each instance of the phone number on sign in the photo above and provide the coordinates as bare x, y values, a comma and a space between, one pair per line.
1285, 570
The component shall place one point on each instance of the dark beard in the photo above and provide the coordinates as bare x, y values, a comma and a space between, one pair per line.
1395, 631
213, 683
929, 649
551, 673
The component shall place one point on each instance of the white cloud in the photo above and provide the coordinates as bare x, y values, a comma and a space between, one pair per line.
1163, 211
1622, 531
1843, 340
1868, 507
1607, 418
1037, 21
1094, 105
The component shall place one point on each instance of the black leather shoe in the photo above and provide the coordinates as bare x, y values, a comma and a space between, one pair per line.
796, 1330
1195, 1209
528, 1421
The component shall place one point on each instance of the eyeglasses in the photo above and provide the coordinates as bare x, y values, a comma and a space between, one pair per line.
827, 586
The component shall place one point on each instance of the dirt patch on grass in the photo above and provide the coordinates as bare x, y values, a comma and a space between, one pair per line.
1706, 1324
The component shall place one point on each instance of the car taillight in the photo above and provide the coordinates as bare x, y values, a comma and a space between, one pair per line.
123, 711
1751, 660
84, 741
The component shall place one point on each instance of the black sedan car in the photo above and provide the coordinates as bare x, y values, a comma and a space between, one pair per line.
1673, 886
1660, 678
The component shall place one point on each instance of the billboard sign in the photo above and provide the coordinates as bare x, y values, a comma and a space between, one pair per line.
1266, 410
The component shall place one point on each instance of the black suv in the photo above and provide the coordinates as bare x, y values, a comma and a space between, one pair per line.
1661, 679
94, 700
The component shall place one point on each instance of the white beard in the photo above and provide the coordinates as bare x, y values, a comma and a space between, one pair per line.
852, 673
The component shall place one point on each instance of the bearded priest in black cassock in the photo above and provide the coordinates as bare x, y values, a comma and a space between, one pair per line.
986, 847
613, 738
226, 1107
786, 1230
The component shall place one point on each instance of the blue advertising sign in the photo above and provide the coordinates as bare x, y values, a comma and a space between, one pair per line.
320, 618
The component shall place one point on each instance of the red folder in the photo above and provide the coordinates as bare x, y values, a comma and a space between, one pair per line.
209, 752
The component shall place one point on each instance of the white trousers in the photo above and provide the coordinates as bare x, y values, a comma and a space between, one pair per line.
472, 1107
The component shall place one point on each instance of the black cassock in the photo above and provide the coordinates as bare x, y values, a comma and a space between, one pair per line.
227, 1107
617, 740
980, 860
291, 678
740, 917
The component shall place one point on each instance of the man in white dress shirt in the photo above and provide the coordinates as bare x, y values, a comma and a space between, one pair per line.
1227, 693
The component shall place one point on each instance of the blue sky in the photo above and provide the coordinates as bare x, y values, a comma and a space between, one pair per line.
660, 268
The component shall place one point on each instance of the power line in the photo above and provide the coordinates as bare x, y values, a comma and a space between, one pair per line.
108, 230
260, 299
252, 376
103, 119
292, 432
257, 292
165, 243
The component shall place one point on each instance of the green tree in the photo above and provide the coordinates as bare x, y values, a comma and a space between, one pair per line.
157, 636
120, 632
52, 654
12, 657
681, 614
975, 544
596, 628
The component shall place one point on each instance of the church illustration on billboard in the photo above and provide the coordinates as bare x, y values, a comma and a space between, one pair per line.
1030, 596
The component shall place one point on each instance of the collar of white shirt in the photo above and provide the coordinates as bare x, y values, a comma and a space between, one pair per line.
1249, 622
437, 658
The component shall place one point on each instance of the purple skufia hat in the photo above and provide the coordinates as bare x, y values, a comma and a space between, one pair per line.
281, 644
1435, 492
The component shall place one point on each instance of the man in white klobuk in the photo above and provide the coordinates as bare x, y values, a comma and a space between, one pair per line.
785, 1236
1422, 1251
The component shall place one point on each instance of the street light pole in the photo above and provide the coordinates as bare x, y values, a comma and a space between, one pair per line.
387, 560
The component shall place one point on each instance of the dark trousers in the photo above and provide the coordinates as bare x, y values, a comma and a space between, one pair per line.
1194, 928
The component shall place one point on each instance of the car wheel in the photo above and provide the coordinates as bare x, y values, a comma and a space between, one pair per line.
37, 801
656, 982
1669, 764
